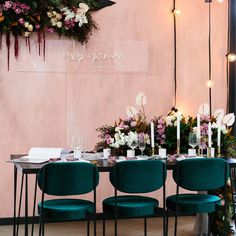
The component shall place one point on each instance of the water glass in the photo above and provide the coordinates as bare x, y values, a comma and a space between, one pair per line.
142, 146
192, 140
76, 145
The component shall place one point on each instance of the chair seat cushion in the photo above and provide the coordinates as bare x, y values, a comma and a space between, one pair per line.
131, 206
66, 209
193, 203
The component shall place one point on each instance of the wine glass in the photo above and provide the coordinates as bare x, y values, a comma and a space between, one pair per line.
192, 140
76, 145
142, 146
133, 144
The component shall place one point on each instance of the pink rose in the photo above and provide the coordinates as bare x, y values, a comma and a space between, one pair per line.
21, 21
17, 10
37, 26
7, 5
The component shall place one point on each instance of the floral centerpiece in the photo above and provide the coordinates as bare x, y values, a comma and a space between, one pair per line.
165, 131
120, 136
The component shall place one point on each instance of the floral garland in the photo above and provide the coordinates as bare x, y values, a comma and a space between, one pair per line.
71, 18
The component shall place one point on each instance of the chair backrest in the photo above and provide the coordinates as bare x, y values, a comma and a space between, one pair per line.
201, 174
138, 176
68, 178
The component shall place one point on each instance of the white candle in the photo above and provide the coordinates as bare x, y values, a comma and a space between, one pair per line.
178, 127
209, 134
198, 127
152, 135
218, 134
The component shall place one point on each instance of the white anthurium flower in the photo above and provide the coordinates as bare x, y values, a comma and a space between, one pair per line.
141, 99
131, 111
229, 119
204, 109
224, 129
168, 120
219, 114
84, 7
214, 125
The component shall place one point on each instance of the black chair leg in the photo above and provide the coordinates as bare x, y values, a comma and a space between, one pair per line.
115, 226
167, 220
104, 227
95, 227
88, 227
145, 226
43, 227
176, 221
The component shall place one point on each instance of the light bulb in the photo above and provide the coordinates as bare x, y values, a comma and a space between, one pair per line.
231, 57
220, 1
176, 12
209, 83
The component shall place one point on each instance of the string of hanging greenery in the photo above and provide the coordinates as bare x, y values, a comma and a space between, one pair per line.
69, 18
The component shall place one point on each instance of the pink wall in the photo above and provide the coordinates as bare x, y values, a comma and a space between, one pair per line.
44, 103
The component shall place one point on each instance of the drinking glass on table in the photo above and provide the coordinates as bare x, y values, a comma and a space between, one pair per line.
76, 145
192, 140
133, 144
142, 146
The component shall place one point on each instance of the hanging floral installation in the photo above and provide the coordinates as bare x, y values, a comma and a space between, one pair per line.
69, 18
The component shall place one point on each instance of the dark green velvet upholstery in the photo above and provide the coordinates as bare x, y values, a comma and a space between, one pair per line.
68, 178
201, 174
193, 203
66, 209
131, 206
65, 179
140, 176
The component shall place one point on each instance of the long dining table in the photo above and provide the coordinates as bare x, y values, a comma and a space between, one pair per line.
27, 169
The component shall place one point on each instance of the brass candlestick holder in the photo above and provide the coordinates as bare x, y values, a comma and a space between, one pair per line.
178, 147
153, 151
219, 151
199, 145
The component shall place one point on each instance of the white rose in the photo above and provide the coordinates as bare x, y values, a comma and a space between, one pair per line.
58, 16
26, 34
59, 24
54, 13
49, 14
26, 24
168, 120
53, 21
30, 28
194, 130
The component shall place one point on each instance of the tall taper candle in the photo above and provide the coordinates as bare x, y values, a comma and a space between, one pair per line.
198, 127
178, 127
152, 135
218, 134
209, 135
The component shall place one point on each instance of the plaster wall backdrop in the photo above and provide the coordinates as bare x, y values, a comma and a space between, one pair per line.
78, 88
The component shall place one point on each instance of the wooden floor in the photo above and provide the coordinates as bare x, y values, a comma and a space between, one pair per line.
126, 228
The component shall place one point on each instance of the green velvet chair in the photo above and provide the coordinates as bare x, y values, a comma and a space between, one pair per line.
199, 174
66, 179
135, 177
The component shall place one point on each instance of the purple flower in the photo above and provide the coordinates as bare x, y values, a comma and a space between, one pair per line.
21, 21
7, 5
141, 137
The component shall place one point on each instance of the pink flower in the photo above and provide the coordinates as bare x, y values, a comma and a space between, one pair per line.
50, 30
133, 123
14, 5
7, 5
21, 21
23, 6
141, 137
17, 10
37, 26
